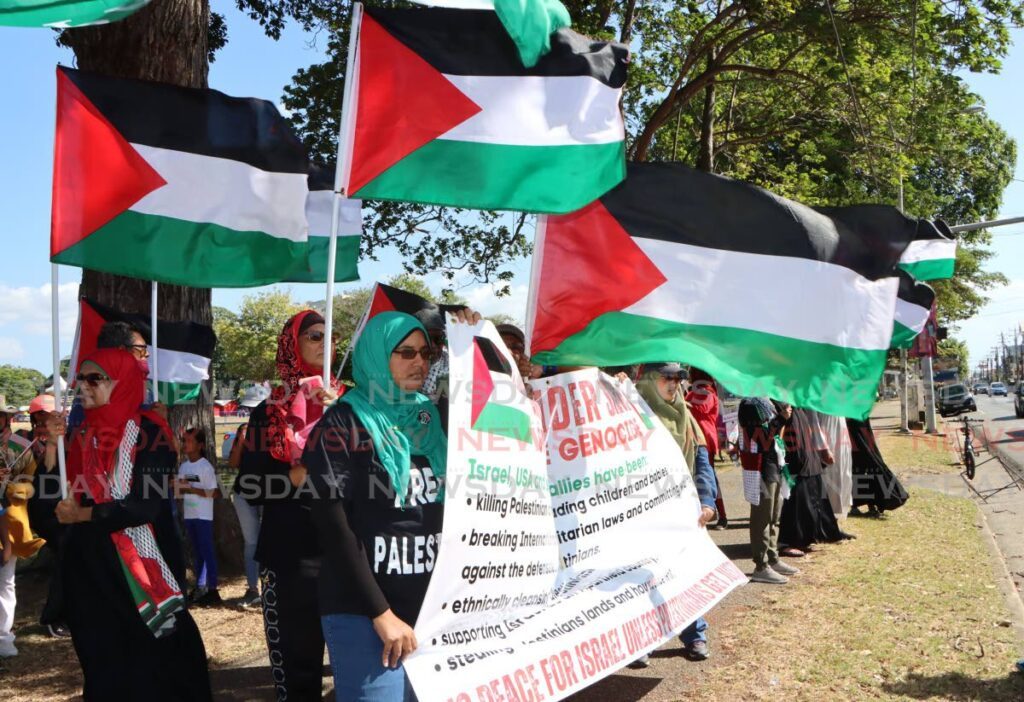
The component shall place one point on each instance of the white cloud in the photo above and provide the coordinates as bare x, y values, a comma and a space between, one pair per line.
26, 310
11, 350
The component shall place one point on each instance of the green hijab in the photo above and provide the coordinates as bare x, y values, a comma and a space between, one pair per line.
674, 415
401, 424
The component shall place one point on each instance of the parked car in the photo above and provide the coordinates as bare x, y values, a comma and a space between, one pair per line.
981, 389
954, 399
997, 389
1018, 400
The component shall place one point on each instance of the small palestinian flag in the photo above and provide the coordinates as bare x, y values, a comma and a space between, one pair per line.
63, 14
175, 184
440, 110
182, 359
319, 213
386, 298
769, 296
913, 307
505, 413
932, 255
529, 23
16, 446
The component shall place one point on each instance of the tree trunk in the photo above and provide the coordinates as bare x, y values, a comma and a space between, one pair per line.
706, 156
167, 41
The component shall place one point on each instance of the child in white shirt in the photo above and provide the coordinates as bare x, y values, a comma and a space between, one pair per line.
197, 486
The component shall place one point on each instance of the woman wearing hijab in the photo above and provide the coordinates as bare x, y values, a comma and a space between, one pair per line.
377, 464
704, 405
660, 388
270, 473
124, 607
874, 484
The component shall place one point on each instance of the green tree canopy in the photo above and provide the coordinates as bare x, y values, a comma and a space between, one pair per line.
247, 340
20, 385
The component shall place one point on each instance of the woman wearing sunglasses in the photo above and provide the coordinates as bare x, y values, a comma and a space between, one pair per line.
270, 473
129, 626
377, 464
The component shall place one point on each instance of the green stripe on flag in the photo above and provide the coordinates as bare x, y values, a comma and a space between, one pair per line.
832, 379
65, 13
553, 179
902, 336
198, 254
176, 393
935, 269
346, 261
504, 421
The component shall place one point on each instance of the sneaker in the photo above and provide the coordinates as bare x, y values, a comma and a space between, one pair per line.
641, 662
210, 598
766, 575
1020, 666
721, 525
58, 631
697, 651
8, 650
196, 595
784, 568
251, 599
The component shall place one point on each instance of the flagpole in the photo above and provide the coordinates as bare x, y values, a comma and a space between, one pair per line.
155, 356
58, 392
359, 329
535, 267
340, 183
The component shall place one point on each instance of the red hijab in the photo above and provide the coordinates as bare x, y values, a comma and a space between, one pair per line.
292, 413
92, 450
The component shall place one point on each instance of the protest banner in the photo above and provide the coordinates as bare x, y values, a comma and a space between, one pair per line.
570, 546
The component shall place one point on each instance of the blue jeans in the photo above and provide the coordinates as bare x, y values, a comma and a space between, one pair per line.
249, 521
698, 631
355, 651
200, 533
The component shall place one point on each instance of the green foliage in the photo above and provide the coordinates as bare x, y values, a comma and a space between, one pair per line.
955, 348
247, 341
20, 385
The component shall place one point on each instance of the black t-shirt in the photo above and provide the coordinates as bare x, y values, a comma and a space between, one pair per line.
287, 537
377, 554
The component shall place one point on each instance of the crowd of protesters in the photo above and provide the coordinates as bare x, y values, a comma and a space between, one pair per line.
118, 584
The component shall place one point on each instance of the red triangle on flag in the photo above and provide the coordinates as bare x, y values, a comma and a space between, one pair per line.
590, 265
97, 174
89, 324
380, 303
403, 103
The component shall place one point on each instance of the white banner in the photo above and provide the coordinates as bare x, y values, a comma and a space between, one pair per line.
570, 543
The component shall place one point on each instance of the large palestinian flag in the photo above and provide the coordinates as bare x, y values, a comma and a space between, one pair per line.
768, 295
175, 184
932, 255
182, 357
440, 110
319, 213
913, 307
498, 406
63, 14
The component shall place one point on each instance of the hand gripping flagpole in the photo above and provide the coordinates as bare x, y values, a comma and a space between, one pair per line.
155, 356
340, 184
58, 391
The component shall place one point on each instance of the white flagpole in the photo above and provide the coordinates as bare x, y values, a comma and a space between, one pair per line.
359, 328
154, 357
58, 391
535, 270
340, 183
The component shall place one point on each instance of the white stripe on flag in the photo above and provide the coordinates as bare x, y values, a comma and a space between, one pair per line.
539, 111
910, 315
181, 366
320, 209
929, 250
791, 297
228, 193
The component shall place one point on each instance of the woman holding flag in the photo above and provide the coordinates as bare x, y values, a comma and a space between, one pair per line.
129, 626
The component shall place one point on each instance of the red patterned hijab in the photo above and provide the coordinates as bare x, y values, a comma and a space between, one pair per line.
290, 412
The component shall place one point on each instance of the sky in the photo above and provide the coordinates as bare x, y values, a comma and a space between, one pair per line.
255, 66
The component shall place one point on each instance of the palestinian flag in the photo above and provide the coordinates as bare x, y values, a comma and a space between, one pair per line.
913, 307
319, 212
440, 110
182, 358
503, 413
175, 184
932, 255
386, 298
63, 14
16, 446
529, 23
769, 296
